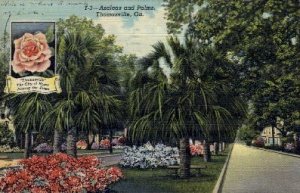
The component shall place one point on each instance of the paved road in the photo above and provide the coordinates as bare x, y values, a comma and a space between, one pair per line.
256, 171
110, 160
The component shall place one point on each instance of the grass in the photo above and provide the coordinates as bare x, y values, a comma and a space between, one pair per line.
19, 155
161, 180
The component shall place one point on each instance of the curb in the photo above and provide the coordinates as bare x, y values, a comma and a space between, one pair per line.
219, 184
273, 151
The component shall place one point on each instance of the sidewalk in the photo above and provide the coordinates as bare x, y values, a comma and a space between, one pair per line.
256, 171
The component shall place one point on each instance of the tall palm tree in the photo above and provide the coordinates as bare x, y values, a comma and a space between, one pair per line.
180, 106
89, 97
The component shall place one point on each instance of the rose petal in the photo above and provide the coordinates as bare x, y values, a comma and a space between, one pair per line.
47, 53
28, 64
43, 66
16, 56
41, 59
31, 68
41, 37
17, 43
18, 68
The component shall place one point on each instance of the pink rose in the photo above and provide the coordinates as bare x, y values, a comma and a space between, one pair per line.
32, 53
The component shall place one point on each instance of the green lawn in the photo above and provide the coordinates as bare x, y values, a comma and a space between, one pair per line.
19, 155
161, 180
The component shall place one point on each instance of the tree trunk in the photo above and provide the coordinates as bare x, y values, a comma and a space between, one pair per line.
27, 149
57, 141
110, 141
206, 152
273, 136
71, 142
296, 143
87, 140
216, 148
90, 143
185, 158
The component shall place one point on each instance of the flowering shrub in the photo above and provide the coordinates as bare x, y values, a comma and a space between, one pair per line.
59, 173
95, 145
148, 156
122, 140
289, 147
105, 143
115, 141
81, 144
43, 148
63, 147
259, 142
8, 149
196, 149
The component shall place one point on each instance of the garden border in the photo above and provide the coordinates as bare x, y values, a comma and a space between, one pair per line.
274, 151
219, 185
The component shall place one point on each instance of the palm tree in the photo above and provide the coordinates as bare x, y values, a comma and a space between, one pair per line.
27, 111
89, 93
180, 106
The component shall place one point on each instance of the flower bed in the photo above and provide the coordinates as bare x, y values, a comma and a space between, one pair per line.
59, 173
8, 149
148, 156
43, 148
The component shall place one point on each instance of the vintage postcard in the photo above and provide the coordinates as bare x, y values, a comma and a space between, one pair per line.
149, 96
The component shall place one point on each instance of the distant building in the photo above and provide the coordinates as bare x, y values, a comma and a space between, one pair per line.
266, 134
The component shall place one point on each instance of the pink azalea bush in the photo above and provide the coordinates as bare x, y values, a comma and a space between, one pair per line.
43, 148
105, 143
95, 145
196, 149
81, 144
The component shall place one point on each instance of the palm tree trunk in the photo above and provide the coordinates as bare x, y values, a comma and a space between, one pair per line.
57, 141
206, 152
71, 142
110, 141
27, 149
87, 140
185, 158
216, 148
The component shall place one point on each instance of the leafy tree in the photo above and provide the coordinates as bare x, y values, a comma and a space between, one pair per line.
262, 39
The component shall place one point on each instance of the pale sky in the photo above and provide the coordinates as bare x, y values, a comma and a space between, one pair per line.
135, 34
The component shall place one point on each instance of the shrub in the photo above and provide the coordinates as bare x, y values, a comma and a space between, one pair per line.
259, 142
63, 147
59, 173
43, 148
196, 149
81, 144
115, 142
148, 156
105, 143
6, 135
247, 134
122, 140
289, 147
95, 145
8, 149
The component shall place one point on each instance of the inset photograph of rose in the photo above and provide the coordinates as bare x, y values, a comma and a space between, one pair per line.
33, 48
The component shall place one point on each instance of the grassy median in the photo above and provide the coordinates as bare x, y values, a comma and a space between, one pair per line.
161, 180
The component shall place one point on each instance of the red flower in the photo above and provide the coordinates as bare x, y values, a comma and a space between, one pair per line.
60, 173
